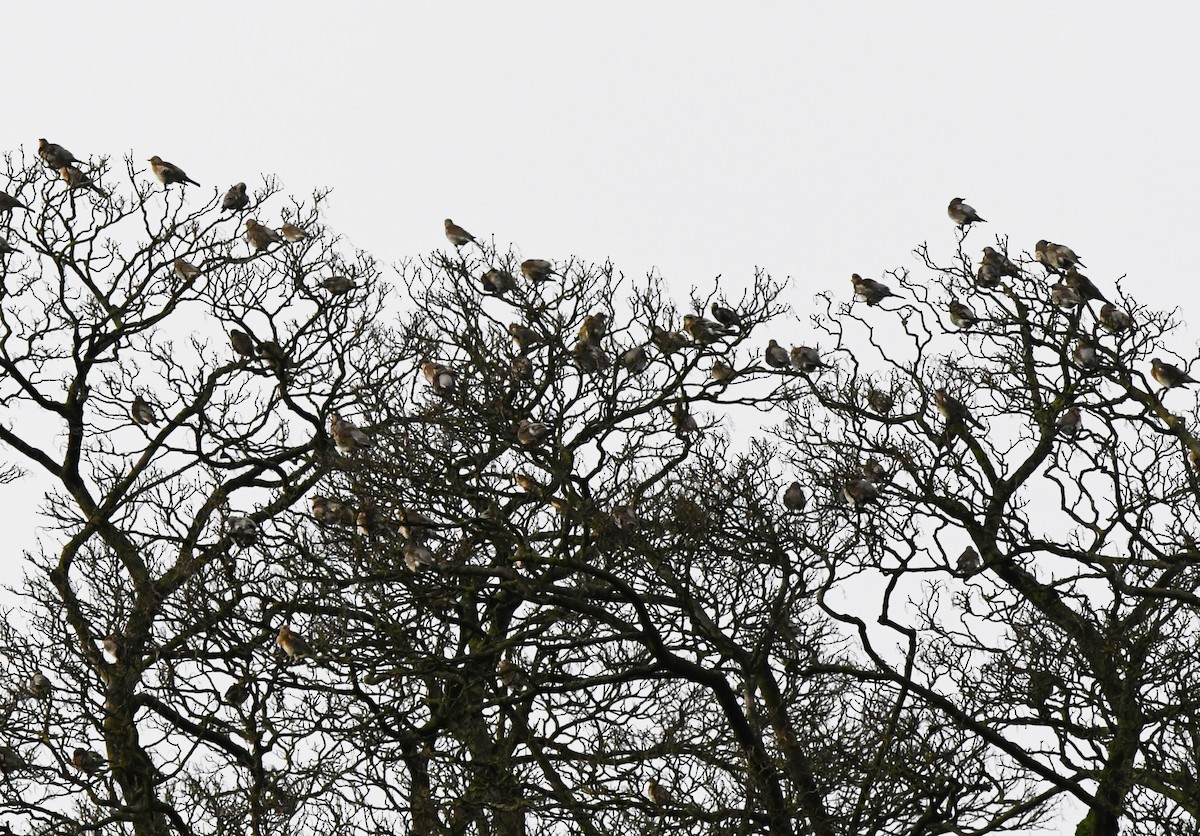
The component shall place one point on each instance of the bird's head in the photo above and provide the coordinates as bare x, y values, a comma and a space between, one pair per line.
448, 223
156, 160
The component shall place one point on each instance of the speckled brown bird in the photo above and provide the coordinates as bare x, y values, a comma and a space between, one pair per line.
880, 401
537, 269
721, 371
55, 156
1069, 422
439, 378
293, 644
243, 343
777, 356
292, 233
530, 433
869, 290
1064, 297
1168, 375
456, 235
961, 316
87, 761
76, 179
953, 410
1114, 319
185, 270
346, 434
636, 360
497, 281
261, 236
666, 340
1082, 285
168, 173
726, 316
805, 359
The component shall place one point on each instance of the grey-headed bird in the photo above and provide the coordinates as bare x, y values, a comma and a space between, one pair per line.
168, 173
962, 213
456, 235
236, 199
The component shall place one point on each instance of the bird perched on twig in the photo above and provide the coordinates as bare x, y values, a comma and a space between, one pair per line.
329, 511
1064, 296
185, 270
589, 358
338, 285
456, 235
292, 233
1070, 422
777, 356
523, 336
683, 420
537, 269
261, 236
667, 341
76, 179
55, 156
656, 793
968, 561
726, 316
243, 343
11, 760
236, 199
704, 331
87, 761
1082, 285
869, 290
293, 644
794, 498
418, 558
1057, 258
114, 646
953, 410
806, 359
963, 214
1114, 319
440, 378
531, 432
859, 492
1085, 355
243, 531
593, 328
721, 371
880, 401
1168, 375
38, 685
141, 412
497, 281
635, 360
9, 203
874, 471
961, 316
993, 267
238, 692
168, 173
346, 434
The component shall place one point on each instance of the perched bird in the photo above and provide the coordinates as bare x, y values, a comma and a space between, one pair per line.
1057, 258
521, 368
1114, 319
292, 233
38, 685
656, 793
236, 199
968, 561
440, 378
1065, 297
721, 371
141, 412
874, 471
1070, 422
953, 410
636, 360
168, 173
530, 485
999, 263
243, 531
963, 214
497, 281
293, 644
777, 356
684, 422
1168, 375
11, 760
530, 432
590, 358
87, 761
242, 343
537, 269
667, 341
6, 247
260, 236
625, 518
880, 401
329, 511
961, 316
338, 285
238, 692
54, 155
806, 359
523, 336
456, 235
793, 497
76, 179
1082, 285
593, 329
277, 356
418, 558
726, 316
859, 492
1085, 355
869, 290
114, 646
185, 270
703, 331
9, 203
346, 435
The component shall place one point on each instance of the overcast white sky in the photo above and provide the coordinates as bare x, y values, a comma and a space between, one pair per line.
698, 138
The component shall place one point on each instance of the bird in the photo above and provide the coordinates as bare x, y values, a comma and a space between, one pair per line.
54, 155
497, 281
805, 359
242, 343
346, 435
656, 793
859, 492
625, 517
338, 285
440, 378
666, 340
276, 356
684, 422
523, 336
1084, 354
963, 214
1064, 296
1057, 258
704, 331
1168, 375
968, 561
777, 356
260, 236
590, 358
593, 328
726, 316
11, 760
1082, 285
874, 471
456, 235
236, 199
999, 263
880, 401
1070, 422
521, 368
87, 761
243, 531
237, 693
76, 179
418, 557
38, 685
185, 270
292, 233
141, 412
794, 498
8, 203
721, 371
635, 360
869, 290
537, 269
6, 247
1114, 319
168, 173
114, 646
961, 316
953, 410
332, 511
531, 432
293, 644
530, 485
